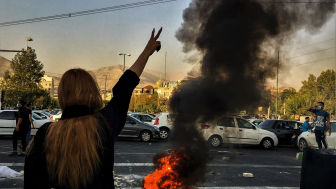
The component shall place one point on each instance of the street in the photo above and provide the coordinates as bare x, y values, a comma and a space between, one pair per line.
275, 168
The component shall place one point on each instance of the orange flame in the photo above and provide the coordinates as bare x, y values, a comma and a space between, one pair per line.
165, 176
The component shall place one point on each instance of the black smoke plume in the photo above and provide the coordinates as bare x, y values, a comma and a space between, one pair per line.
238, 41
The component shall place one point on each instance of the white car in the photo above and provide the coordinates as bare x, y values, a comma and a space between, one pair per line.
308, 138
57, 116
236, 130
42, 114
8, 122
164, 122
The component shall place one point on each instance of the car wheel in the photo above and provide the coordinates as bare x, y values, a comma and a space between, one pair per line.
215, 141
145, 136
164, 133
302, 144
267, 143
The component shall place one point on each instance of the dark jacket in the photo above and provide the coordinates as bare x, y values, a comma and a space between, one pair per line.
112, 118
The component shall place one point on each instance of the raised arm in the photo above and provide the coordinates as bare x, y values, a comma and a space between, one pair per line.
310, 109
123, 89
151, 46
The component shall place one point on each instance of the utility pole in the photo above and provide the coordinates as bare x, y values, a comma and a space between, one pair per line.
277, 76
105, 86
124, 59
166, 66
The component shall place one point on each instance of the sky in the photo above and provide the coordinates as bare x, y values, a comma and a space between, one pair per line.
94, 41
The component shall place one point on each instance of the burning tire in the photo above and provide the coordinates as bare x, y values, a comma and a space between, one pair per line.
164, 134
145, 136
302, 144
267, 143
215, 141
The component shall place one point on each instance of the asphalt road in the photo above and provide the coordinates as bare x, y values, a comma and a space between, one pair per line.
276, 168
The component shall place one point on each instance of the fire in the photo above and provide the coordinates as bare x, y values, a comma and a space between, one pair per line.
166, 175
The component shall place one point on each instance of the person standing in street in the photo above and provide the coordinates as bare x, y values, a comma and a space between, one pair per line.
21, 129
78, 150
30, 124
306, 124
320, 124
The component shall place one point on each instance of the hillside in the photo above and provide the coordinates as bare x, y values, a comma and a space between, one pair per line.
4, 65
147, 77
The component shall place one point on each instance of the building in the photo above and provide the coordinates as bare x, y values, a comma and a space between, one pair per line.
48, 84
165, 91
107, 96
55, 91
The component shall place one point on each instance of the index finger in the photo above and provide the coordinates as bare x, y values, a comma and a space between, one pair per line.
152, 36
158, 34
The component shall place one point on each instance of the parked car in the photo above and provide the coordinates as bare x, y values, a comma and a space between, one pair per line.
145, 118
286, 131
56, 111
256, 121
308, 138
236, 130
8, 122
137, 129
42, 114
164, 122
57, 116
246, 116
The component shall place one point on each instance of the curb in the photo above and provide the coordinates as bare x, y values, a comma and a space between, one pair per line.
299, 156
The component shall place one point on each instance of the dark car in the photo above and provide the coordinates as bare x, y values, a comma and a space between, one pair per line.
135, 128
286, 131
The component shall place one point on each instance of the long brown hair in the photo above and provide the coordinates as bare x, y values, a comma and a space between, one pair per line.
72, 145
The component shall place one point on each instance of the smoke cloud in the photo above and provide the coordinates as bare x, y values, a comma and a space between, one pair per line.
239, 42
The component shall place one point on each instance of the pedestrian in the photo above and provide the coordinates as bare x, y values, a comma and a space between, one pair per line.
78, 150
320, 124
6, 108
30, 124
306, 124
21, 129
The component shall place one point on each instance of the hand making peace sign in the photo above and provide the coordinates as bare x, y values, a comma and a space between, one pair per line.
153, 44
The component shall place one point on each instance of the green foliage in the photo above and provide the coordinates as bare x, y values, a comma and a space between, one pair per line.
153, 103
312, 91
23, 83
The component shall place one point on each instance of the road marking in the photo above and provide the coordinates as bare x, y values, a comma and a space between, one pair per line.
151, 164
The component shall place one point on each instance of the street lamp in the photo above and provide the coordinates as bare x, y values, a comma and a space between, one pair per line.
124, 58
28, 39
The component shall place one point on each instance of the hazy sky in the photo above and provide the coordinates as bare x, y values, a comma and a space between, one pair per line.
94, 41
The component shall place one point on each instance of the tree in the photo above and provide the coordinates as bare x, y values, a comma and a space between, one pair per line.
153, 103
23, 83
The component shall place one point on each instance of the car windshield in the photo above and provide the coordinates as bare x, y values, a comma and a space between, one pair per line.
247, 117
157, 116
36, 117
257, 123
266, 124
55, 112
136, 117
46, 113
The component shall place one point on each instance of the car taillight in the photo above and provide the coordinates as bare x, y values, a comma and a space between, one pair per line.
294, 135
51, 118
156, 121
205, 126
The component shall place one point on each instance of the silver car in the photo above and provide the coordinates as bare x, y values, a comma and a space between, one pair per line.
137, 129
